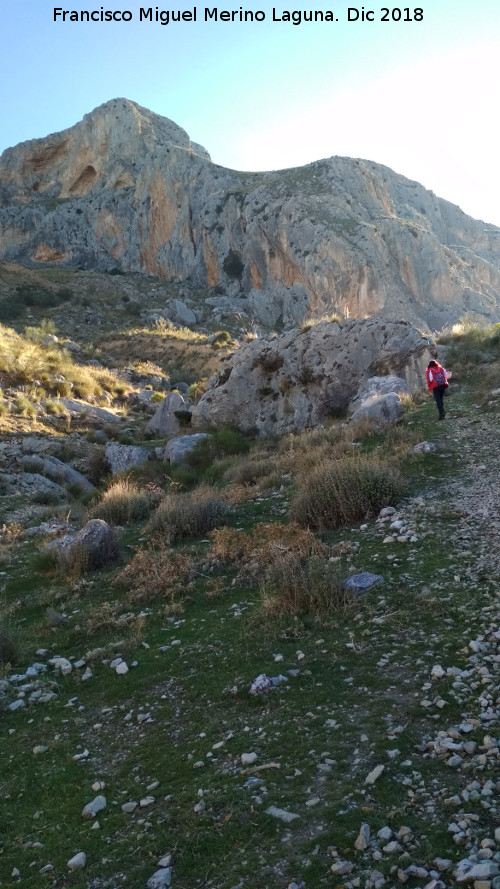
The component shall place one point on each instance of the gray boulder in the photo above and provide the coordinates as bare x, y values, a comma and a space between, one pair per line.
121, 457
361, 583
95, 546
57, 470
379, 386
380, 410
179, 312
37, 482
165, 421
89, 410
287, 383
177, 448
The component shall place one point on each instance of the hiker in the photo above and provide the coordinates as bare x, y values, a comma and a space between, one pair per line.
437, 383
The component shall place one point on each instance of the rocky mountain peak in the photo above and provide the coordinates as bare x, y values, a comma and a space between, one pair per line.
127, 188
101, 151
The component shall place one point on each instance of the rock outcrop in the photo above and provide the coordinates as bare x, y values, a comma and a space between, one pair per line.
289, 382
126, 188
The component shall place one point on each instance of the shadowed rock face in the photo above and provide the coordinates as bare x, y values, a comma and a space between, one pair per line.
127, 188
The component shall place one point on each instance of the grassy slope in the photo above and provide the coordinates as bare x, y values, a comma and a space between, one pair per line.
364, 668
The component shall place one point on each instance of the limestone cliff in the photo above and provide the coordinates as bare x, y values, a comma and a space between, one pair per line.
126, 188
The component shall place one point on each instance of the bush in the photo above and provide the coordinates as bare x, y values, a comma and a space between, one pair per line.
189, 515
10, 309
302, 586
341, 492
122, 503
12, 645
156, 574
223, 443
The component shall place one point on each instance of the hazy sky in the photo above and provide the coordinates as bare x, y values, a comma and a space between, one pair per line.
418, 96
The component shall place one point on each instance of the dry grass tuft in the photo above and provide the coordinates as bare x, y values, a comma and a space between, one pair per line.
338, 493
189, 515
256, 551
157, 574
122, 503
296, 585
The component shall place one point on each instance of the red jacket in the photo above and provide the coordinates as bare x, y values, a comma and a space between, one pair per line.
430, 374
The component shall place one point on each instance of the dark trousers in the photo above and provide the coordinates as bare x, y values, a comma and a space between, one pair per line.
438, 393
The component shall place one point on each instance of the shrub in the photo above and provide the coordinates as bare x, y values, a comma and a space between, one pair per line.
189, 515
123, 502
12, 644
302, 586
11, 308
338, 493
24, 406
255, 552
156, 574
269, 361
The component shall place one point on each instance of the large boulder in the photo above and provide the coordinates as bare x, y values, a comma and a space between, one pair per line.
94, 546
177, 448
169, 416
379, 401
57, 470
121, 457
380, 410
296, 380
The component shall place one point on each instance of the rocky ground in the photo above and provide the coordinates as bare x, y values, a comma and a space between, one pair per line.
372, 762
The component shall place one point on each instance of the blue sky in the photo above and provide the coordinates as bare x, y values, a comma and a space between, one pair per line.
418, 96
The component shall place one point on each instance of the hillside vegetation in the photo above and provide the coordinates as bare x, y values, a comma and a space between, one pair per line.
209, 695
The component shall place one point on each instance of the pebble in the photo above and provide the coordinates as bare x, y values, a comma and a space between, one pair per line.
281, 814
374, 774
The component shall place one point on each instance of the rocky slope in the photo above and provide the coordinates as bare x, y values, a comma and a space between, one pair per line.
126, 188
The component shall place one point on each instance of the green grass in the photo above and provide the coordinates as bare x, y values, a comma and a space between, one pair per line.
362, 668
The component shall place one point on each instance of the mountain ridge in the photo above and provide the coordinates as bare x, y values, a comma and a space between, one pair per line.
128, 188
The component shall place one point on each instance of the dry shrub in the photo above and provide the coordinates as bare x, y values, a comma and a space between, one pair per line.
109, 617
12, 644
339, 493
157, 574
298, 586
255, 552
123, 502
247, 471
189, 515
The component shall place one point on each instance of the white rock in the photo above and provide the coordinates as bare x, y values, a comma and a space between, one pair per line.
121, 668
161, 879
83, 755
248, 759
281, 814
94, 807
62, 665
341, 868
78, 860
374, 774
363, 838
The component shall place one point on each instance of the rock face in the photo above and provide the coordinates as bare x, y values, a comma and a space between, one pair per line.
126, 188
293, 381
